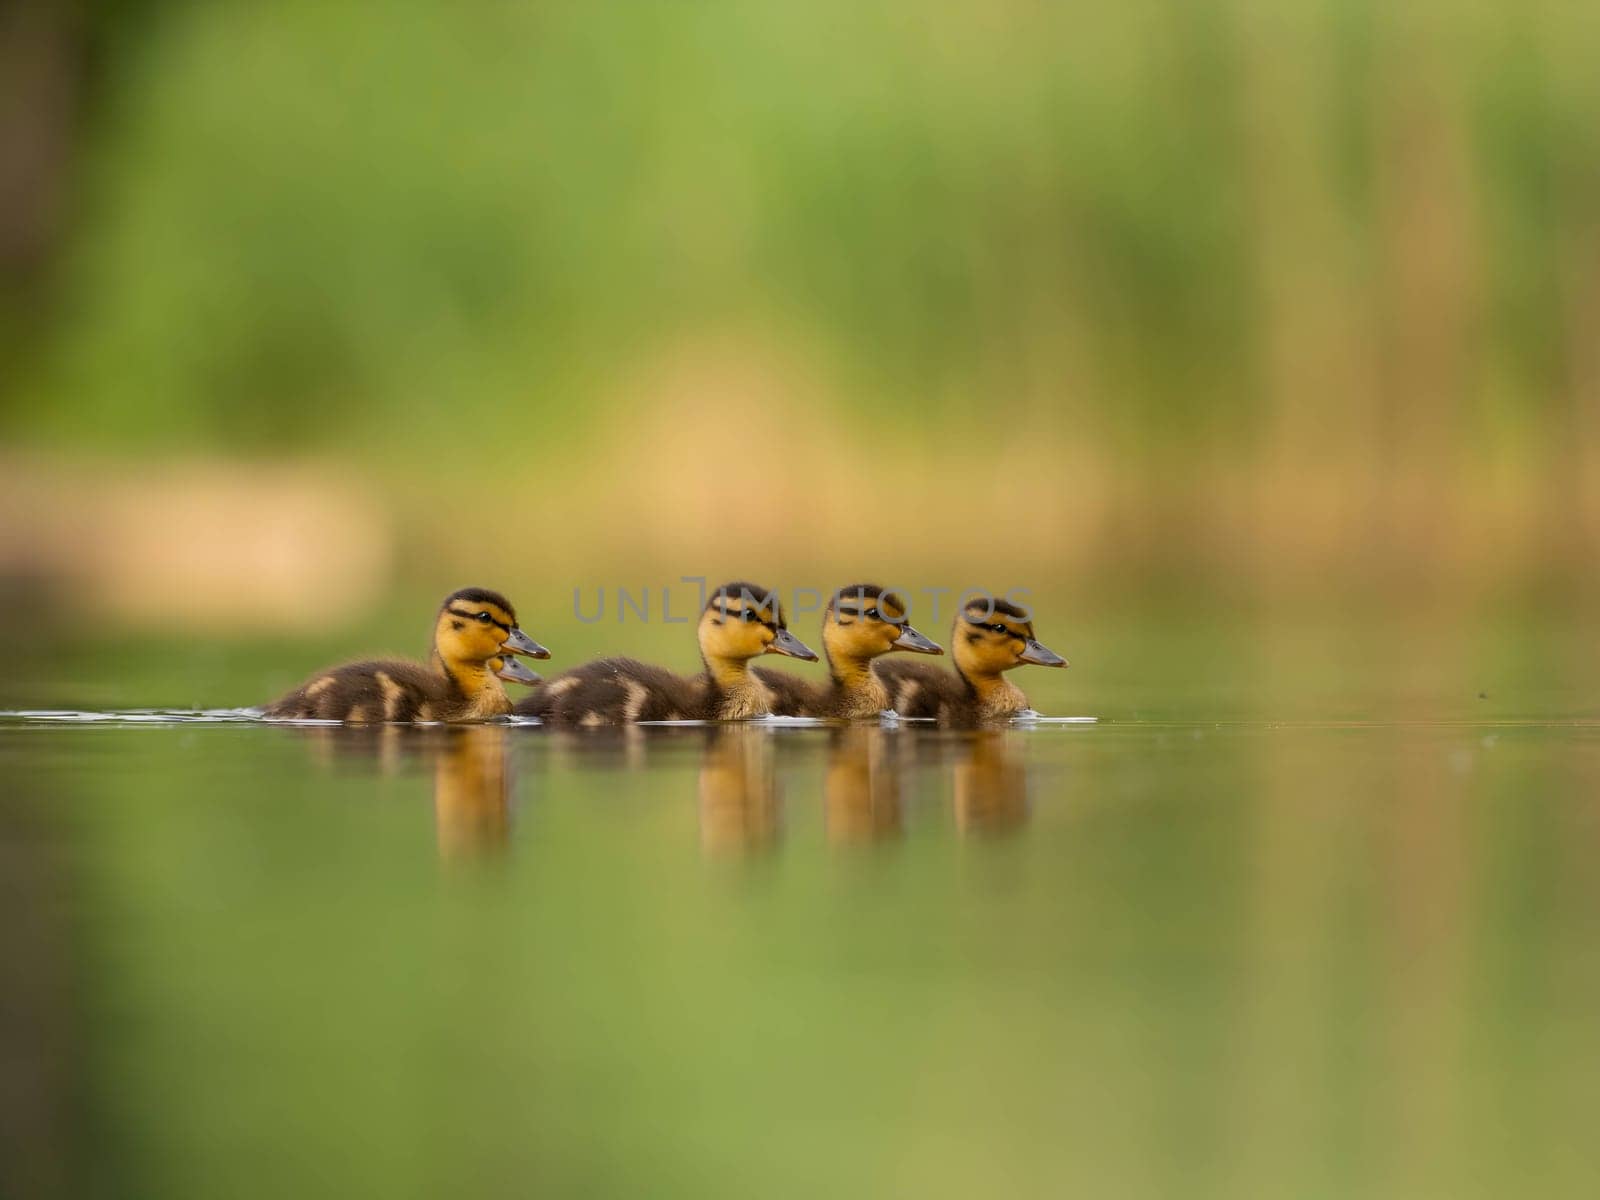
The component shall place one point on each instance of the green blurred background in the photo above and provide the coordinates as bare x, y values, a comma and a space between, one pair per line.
311, 313
1257, 340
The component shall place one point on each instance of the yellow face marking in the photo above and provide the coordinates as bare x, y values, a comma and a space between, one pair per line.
461, 638
986, 651
320, 686
727, 636
852, 637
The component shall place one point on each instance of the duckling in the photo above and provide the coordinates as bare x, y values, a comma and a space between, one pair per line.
740, 622
474, 628
862, 621
990, 637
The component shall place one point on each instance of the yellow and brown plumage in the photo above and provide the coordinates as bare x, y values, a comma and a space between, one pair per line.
740, 622
990, 637
475, 631
862, 622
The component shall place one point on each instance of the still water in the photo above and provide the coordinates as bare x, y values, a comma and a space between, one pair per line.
1127, 958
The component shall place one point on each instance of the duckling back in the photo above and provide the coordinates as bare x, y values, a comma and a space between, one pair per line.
792, 696
365, 692
923, 690
618, 691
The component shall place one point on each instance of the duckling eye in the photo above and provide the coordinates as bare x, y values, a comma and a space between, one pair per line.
871, 614
746, 615
484, 617
999, 628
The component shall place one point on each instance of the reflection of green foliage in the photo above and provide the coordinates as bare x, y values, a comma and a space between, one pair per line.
304, 220
1213, 961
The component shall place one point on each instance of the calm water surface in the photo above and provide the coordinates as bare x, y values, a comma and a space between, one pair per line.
1116, 959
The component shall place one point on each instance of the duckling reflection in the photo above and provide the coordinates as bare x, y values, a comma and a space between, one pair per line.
471, 775
472, 791
606, 747
991, 785
739, 799
861, 790
336, 746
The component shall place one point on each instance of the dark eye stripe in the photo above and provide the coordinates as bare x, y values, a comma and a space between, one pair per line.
472, 616
737, 612
998, 627
887, 618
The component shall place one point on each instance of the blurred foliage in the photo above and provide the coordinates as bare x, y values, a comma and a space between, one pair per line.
313, 226
1283, 298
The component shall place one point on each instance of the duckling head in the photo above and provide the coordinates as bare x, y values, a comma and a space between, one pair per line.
744, 620
475, 625
864, 621
993, 635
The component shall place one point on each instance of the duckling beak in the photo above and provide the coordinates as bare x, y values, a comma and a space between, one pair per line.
512, 671
1041, 656
913, 641
520, 643
787, 643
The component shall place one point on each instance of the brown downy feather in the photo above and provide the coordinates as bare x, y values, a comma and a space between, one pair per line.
617, 691
860, 624
740, 622
381, 691
990, 637
926, 691
471, 630
792, 696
